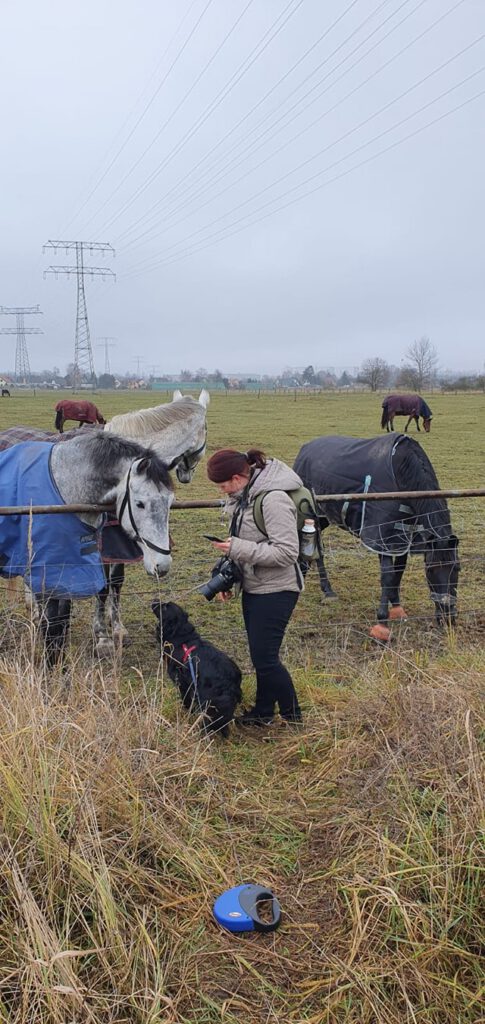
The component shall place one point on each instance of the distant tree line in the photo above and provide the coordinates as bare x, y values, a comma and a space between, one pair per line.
419, 371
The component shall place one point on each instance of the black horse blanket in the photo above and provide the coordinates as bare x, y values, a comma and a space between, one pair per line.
356, 465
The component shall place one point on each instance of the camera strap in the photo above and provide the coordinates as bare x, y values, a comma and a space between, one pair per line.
241, 507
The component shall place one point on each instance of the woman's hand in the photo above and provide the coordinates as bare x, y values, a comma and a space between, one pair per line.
223, 545
226, 595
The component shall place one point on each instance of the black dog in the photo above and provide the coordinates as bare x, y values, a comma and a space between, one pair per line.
217, 688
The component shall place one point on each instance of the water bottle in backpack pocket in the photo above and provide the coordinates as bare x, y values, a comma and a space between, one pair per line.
306, 521
308, 541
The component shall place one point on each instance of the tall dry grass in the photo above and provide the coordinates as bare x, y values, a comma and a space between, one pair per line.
120, 823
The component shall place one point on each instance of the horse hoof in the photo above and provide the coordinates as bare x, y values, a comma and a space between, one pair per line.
105, 647
397, 613
380, 633
121, 637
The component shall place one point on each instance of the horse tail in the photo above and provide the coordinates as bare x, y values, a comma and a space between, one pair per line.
58, 420
385, 415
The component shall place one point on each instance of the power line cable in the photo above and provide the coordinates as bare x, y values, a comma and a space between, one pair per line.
140, 118
336, 142
218, 177
266, 95
237, 229
180, 103
221, 96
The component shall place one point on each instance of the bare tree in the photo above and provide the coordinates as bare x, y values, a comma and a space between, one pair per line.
375, 372
423, 361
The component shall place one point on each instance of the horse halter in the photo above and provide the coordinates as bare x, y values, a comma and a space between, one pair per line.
189, 459
126, 504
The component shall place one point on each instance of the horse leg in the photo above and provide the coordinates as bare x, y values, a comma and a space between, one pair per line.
387, 569
390, 425
117, 578
407, 424
104, 645
417, 423
399, 565
54, 623
391, 575
325, 585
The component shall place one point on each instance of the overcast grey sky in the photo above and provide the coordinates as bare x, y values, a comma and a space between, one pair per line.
241, 158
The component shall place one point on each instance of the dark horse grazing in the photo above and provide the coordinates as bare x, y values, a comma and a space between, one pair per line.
393, 529
85, 412
58, 555
5, 393
406, 405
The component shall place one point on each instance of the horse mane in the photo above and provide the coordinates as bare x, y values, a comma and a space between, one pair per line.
414, 471
149, 421
108, 449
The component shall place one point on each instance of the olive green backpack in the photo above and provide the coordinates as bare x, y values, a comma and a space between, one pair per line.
305, 505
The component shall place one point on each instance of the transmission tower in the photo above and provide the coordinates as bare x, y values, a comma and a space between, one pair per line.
83, 353
22, 365
107, 343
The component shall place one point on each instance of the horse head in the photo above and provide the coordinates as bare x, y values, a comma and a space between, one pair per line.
176, 431
143, 500
186, 464
427, 424
442, 567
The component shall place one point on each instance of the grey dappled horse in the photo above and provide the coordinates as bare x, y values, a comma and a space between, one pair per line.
94, 468
177, 431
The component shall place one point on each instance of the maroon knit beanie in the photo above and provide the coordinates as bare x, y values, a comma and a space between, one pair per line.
227, 463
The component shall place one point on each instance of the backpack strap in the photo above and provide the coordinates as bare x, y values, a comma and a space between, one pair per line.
302, 499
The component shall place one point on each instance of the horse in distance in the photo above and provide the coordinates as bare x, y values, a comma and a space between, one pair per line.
392, 528
409, 405
77, 409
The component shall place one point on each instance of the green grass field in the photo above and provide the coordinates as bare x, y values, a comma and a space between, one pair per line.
121, 823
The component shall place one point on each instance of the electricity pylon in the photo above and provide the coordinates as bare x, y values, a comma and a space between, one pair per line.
107, 343
22, 365
83, 353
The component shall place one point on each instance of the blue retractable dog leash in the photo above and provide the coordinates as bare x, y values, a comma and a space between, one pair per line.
237, 909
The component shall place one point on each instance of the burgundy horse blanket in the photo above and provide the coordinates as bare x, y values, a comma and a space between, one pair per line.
85, 412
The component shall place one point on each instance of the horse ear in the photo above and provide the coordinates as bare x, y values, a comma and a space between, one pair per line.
143, 464
454, 540
204, 398
177, 395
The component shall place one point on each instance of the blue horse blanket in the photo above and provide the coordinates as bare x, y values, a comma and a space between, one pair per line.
56, 554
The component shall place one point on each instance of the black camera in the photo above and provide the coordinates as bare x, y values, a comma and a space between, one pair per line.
223, 577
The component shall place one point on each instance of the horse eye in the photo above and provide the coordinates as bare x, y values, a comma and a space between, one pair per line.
140, 504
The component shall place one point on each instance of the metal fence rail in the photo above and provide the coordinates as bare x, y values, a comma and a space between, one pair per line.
27, 510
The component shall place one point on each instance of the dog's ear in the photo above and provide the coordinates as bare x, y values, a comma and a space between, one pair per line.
157, 609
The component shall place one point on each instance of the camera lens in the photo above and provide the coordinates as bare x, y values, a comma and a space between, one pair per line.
224, 575
213, 586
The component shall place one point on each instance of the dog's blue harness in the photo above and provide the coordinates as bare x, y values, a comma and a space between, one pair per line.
56, 554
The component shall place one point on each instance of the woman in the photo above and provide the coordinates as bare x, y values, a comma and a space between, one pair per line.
271, 577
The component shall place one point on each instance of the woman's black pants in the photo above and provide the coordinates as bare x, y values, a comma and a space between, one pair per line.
266, 617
